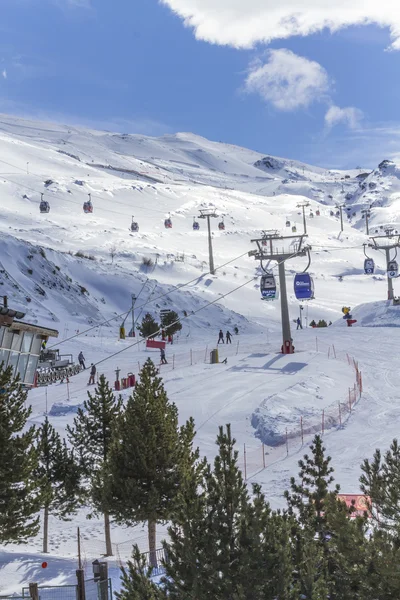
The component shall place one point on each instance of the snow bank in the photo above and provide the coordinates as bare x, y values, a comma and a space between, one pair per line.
377, 314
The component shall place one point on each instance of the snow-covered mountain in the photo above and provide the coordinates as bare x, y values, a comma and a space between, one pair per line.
72, 271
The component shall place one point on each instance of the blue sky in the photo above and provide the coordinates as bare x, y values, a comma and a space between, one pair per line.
325, 98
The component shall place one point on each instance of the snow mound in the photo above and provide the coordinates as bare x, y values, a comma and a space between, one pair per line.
377, 314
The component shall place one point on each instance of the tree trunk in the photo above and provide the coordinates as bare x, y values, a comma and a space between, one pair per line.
107, 533
46, 530
152, 542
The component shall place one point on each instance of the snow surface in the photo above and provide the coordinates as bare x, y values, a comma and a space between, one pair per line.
261, 393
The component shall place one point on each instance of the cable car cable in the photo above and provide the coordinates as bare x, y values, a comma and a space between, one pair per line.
123, 314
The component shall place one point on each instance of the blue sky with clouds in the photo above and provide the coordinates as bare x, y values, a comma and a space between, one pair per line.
304, 79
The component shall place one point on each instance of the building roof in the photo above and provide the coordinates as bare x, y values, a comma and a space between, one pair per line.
21, 326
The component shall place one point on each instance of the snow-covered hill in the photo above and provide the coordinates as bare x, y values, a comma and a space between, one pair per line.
73, 271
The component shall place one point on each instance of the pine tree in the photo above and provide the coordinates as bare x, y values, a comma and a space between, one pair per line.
308, 496
380, 481
20, 496
221, 543
135, 581
149, 327
60, 477
147, 460
170, 322
90, 437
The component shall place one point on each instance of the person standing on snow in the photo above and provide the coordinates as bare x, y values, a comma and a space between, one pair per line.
228, 337
221, 337
299, 325
81, 359
92, 374
162, 356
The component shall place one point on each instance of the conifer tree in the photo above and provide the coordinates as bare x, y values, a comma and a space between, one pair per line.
221, 543
380, 481
148, 327
170, 322
20, 495
136, 581
90, 437
308, 496
59, 475
148, 457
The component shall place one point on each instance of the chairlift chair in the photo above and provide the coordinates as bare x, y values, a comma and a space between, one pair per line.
44, 206
134, 226
304, 284
392, 269
88, 206
268, 287
369, 264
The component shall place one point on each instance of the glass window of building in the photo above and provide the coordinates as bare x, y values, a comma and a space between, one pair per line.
7, 339
22, 364
17, 341
27, 342
13, 361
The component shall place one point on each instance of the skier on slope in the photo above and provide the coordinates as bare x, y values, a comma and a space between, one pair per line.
221, 337
228, 337
92, 374
299, 325
162, 357
81, 359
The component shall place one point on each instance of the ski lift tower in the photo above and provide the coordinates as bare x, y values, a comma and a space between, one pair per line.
366, 214
278, 248
387, 242
303, 206
340, 208
208, 214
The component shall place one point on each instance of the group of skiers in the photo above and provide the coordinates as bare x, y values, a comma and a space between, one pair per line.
93, 369
221, 337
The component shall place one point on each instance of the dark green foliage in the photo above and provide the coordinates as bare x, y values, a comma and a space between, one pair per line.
90, 437
135, 580
59, 475
58, 472
170, 322
20, 494
149, 327
224, 544
149, 456
380, 480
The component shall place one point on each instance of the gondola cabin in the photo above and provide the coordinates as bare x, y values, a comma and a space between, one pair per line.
311, 215
287, 223
134, 226
221, 226
393, 269
88, 207
303, 286
168, 223
294, 229
268, 287
196, 225
318, 213
369, 266
332, 214
44, 206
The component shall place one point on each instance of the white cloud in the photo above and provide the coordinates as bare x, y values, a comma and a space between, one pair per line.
286, 80
242, 23
349, 116
4, 73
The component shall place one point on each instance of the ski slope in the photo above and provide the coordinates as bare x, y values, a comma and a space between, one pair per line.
262, 393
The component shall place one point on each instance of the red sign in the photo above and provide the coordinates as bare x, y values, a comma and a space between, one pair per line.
155, 344
358, 501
